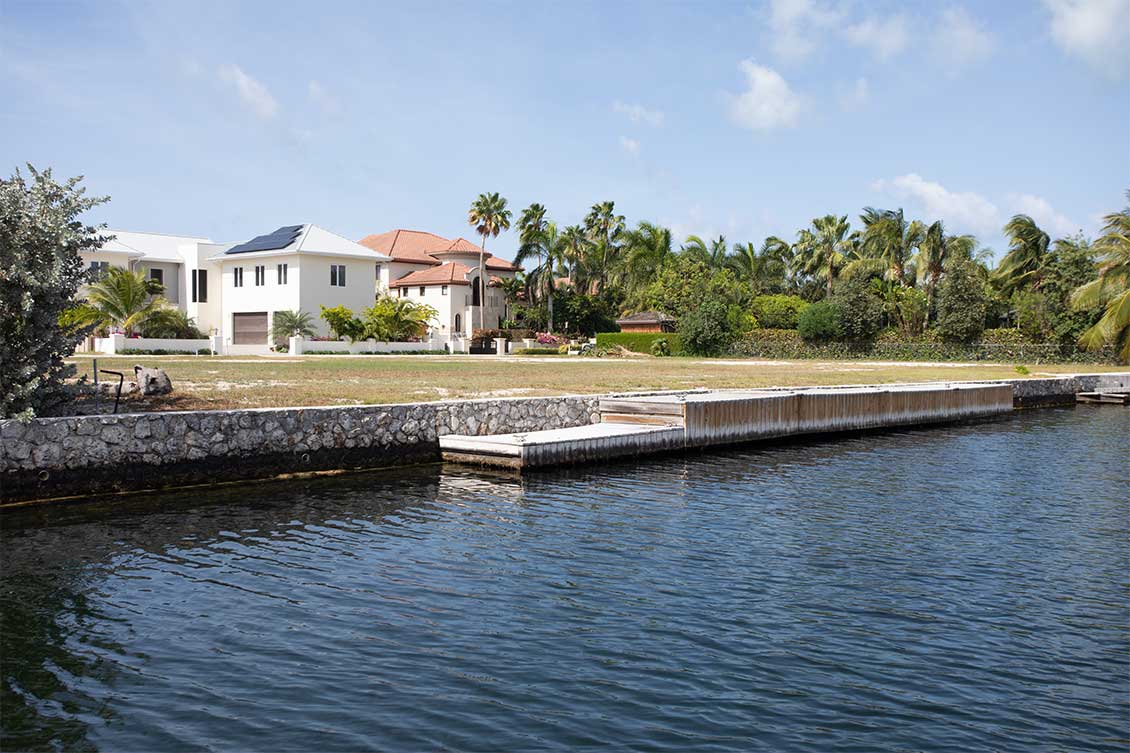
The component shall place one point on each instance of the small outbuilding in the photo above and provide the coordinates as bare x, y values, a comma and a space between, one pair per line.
647, 321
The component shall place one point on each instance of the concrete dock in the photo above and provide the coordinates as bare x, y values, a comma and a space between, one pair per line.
633, 426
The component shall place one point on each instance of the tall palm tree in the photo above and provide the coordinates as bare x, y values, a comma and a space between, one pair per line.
821, 249
1111, 288
604, 228
489, 216
531, 229
548, 246
782, 252
760, 270
646, 249
935, 251
889, 237
577, 245
125, 299
1027, 255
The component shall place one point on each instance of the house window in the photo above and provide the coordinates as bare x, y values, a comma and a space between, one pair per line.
260, 275
403, 292
421, 290
337, 275
158, 275
99, 269
458, 323
199, 286
378, 273
443, 290
237, 277
282, 274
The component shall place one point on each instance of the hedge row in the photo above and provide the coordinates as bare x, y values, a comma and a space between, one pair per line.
1006, 345
639, 342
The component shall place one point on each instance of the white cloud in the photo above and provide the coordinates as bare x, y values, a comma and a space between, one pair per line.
638, 113
321, 97
1038, 208
962, 211
796, 26
959, 41
254, 94
1098, 31
856, 96
885, 38
767, 103
631, 146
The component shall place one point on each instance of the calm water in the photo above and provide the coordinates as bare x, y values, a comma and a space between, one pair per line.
950, 589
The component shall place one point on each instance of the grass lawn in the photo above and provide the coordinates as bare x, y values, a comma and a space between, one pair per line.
201, 382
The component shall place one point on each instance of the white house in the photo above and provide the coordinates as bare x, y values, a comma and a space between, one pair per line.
428, 268
232, 290
296, 268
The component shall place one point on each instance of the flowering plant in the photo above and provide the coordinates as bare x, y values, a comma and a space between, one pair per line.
545, 338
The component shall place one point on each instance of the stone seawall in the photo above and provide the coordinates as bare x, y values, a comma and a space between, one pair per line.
79, 455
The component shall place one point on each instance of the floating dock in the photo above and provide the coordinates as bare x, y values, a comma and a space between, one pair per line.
634, 426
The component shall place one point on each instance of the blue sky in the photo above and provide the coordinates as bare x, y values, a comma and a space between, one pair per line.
230, 119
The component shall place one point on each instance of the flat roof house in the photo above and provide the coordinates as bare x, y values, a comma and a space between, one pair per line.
428, 268
295, 268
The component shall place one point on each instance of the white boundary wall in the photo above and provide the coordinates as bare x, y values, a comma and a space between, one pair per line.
301, 346
117, 343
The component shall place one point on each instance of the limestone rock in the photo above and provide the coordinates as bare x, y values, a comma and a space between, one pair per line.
152, 381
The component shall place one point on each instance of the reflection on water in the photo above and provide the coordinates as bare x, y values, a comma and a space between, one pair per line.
946, 589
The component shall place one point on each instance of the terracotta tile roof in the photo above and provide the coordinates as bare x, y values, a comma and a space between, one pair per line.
417, 247
646, 317
451, 273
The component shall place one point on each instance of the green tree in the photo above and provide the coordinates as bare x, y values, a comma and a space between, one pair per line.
489, 216
889, 238
604, 229
342, 323
682, 285
821, 249
41, 270
712, 254
397, 319
1024, 264
126, 298
961, 304
935, 250
819, 322
646, 248
287, 324
1111, 288
778, 311
549, 248
577, 246
707, 330
859, 311
761, 271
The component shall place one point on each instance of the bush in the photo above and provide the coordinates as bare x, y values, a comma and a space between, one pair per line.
707, 330
661, 347
343, 324
778, 311
639, 342
961, 304
859, 312
819, 322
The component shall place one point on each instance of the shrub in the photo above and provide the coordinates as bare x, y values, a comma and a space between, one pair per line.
545, 338
778, 311
661, 347
707, 330
343, 324
961, 304
859, 312
819, 322
639, 342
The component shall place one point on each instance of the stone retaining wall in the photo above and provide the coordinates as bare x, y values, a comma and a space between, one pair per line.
77, 455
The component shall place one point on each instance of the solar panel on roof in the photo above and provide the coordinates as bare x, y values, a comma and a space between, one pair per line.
280, 238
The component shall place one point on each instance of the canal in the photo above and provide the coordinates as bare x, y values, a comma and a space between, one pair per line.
952, 588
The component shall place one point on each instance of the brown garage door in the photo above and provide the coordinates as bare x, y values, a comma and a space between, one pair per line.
249, 329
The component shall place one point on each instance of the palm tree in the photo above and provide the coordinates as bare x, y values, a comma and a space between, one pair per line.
646, 249
577, 245
125, 298
604, 228
170, 322
489, 216
287, 324
1111, 288
821, 250
889, 237
549, 248
397, 319
761, 271
1027, 255
935, 252
712, 254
